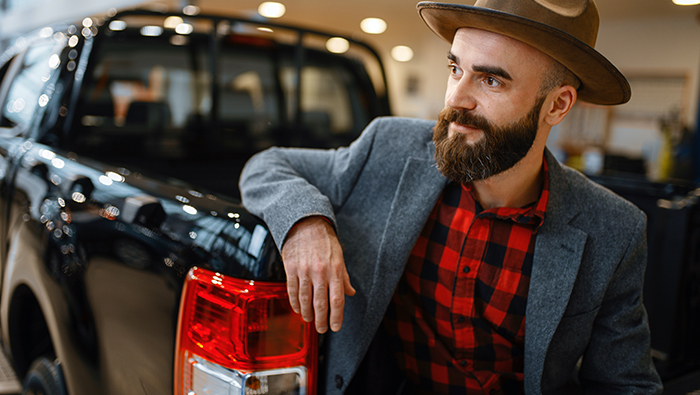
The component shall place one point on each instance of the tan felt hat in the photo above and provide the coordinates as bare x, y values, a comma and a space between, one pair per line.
566, 30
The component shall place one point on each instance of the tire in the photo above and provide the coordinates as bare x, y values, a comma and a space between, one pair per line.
44, 378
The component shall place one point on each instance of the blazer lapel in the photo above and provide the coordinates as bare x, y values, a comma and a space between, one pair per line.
418, 190
558, 253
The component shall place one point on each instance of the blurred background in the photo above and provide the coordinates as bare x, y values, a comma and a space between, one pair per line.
647, 150
653, 42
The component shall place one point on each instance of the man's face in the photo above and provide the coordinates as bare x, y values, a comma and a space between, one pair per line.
492, 105
498, 149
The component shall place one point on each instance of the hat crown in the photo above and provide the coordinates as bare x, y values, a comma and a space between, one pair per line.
579, 18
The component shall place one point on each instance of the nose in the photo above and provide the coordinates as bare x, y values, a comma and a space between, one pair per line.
460, 95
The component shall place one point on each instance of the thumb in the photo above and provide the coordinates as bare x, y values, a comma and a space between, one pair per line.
349, 290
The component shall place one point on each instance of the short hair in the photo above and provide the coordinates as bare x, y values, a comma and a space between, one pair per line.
558, 75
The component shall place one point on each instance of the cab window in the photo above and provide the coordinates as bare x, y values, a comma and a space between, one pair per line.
26, 92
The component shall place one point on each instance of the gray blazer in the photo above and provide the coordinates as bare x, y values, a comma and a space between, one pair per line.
584, 302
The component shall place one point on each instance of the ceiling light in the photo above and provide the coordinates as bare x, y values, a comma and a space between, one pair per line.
271, 9
116, 26
373, 25
265, 29
402, 53
686, 2
151, 31
190, 10
337, 45
184, 28
171, 22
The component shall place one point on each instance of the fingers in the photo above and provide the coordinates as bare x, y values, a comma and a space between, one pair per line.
305, 299
321, 308
317, 280
293, 292
337, 304
348, 288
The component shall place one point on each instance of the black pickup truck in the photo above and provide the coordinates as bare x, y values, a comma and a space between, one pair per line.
128, 265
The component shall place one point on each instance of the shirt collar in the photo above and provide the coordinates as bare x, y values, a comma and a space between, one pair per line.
532, 213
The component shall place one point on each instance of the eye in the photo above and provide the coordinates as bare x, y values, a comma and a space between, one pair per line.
454, 69
492, 82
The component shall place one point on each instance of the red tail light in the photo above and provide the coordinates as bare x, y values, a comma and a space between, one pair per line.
241, 337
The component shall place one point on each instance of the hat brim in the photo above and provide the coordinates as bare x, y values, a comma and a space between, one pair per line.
601, 81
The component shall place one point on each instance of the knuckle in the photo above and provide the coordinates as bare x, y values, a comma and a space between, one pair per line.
318, 270
337, 301
290, 264
320, 306
304, 285
321, 289
304, 299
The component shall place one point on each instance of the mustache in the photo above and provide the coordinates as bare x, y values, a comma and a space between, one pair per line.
466, 118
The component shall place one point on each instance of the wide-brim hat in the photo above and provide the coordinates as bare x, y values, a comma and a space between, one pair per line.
566, 30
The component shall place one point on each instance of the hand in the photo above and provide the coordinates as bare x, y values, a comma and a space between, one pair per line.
316, 274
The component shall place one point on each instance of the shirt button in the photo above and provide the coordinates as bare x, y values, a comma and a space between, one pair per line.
338, 381
463, 362
492, 392
466, 269
461, 319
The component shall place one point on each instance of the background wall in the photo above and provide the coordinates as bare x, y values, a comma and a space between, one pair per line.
645, 39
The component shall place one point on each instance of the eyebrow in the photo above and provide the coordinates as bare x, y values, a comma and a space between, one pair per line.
493, 70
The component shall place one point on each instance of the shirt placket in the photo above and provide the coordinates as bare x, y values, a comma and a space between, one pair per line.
470, 261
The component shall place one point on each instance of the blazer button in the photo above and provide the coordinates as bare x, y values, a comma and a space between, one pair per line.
338, 381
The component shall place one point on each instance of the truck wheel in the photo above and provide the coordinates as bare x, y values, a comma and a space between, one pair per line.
44, 378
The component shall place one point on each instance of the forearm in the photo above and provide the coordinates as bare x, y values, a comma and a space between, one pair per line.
274, 190
293, 190
284, 185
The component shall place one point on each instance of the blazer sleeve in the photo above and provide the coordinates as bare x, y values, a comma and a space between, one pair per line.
285, 185
618, 358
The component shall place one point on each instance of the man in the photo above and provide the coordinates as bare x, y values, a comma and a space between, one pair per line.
456, 234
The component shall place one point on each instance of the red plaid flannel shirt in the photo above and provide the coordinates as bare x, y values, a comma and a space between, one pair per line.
457, 318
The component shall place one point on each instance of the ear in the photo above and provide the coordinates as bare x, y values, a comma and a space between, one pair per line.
560, 101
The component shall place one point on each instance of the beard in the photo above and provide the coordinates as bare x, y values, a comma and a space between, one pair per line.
499, 149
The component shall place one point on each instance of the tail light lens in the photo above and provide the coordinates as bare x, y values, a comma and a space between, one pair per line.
241, 337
